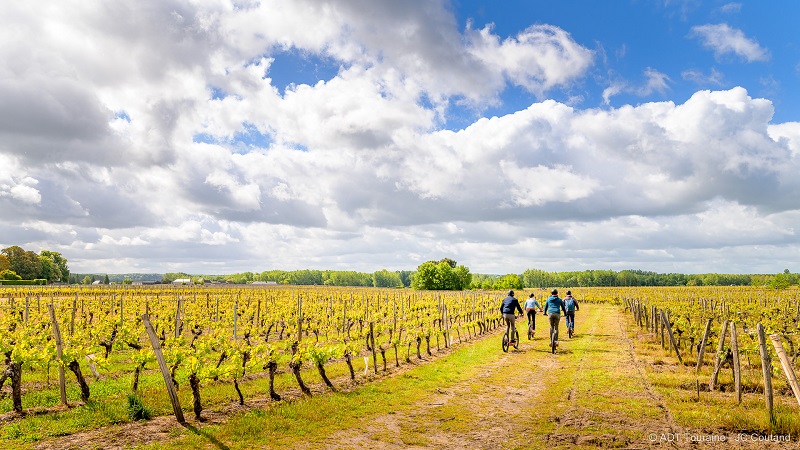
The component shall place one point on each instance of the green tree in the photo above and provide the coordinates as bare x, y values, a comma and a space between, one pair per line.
49, 270
779, 281
384, 278
405, 277
86, 280
425, 277
25, 263
510, 281
59, 261
442, 275
4, 264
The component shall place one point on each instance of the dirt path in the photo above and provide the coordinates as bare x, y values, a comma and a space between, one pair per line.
590, 394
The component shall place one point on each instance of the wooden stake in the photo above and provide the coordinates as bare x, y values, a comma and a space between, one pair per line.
671, 336
766, 369
162, 364
719, 358
737, 369
786, 365
703, 346
62, 385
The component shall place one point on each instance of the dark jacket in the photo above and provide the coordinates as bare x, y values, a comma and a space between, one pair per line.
509, 305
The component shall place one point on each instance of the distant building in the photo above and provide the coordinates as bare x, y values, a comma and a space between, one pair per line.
182, 281
96, 282
264, 283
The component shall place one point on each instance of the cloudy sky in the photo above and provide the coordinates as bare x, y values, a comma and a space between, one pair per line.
220, 136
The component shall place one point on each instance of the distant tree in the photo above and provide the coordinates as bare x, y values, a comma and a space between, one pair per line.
49, 270
127, 280
510, 281
86, 280
384, 278
426, 277
4, 264
106, 280
59, 261
779, 281
442, 275
405, 277
25, 263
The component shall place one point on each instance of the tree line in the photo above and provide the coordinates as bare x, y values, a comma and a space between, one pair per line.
17, 263
445, 274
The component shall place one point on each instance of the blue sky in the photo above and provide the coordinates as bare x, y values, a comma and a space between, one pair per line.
219, 137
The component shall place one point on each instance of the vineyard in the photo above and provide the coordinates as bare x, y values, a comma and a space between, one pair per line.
82, 358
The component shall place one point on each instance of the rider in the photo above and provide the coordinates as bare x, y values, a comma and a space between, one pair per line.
570, 305
507, 308
530, 306
553, 307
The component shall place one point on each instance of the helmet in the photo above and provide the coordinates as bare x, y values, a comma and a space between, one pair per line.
554, 292
510, 293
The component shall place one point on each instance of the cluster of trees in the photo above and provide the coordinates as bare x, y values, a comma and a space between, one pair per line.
541, 278
381, 278
17, 263
445, 274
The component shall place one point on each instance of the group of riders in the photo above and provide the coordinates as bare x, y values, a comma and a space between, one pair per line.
553, 307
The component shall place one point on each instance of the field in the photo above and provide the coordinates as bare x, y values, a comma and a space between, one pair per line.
376, 368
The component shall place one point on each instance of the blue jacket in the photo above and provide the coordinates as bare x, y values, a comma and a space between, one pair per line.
554, 305
509, 305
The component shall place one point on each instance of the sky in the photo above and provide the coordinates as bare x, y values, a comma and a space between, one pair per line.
218, 136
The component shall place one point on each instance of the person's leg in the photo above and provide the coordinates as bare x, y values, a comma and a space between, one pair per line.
554, 319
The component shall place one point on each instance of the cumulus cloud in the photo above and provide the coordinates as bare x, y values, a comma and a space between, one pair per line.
723, 39
151, 136
15, 185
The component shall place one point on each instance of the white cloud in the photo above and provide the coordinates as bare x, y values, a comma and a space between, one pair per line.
113, 147
714, 77
539, 58
723, 40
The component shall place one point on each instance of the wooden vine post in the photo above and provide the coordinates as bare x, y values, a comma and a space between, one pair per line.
72, 319
766, 369
703, 346
372, 344
786, 365
162, 364
62, 385
737, 369
720, 358
671, 336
